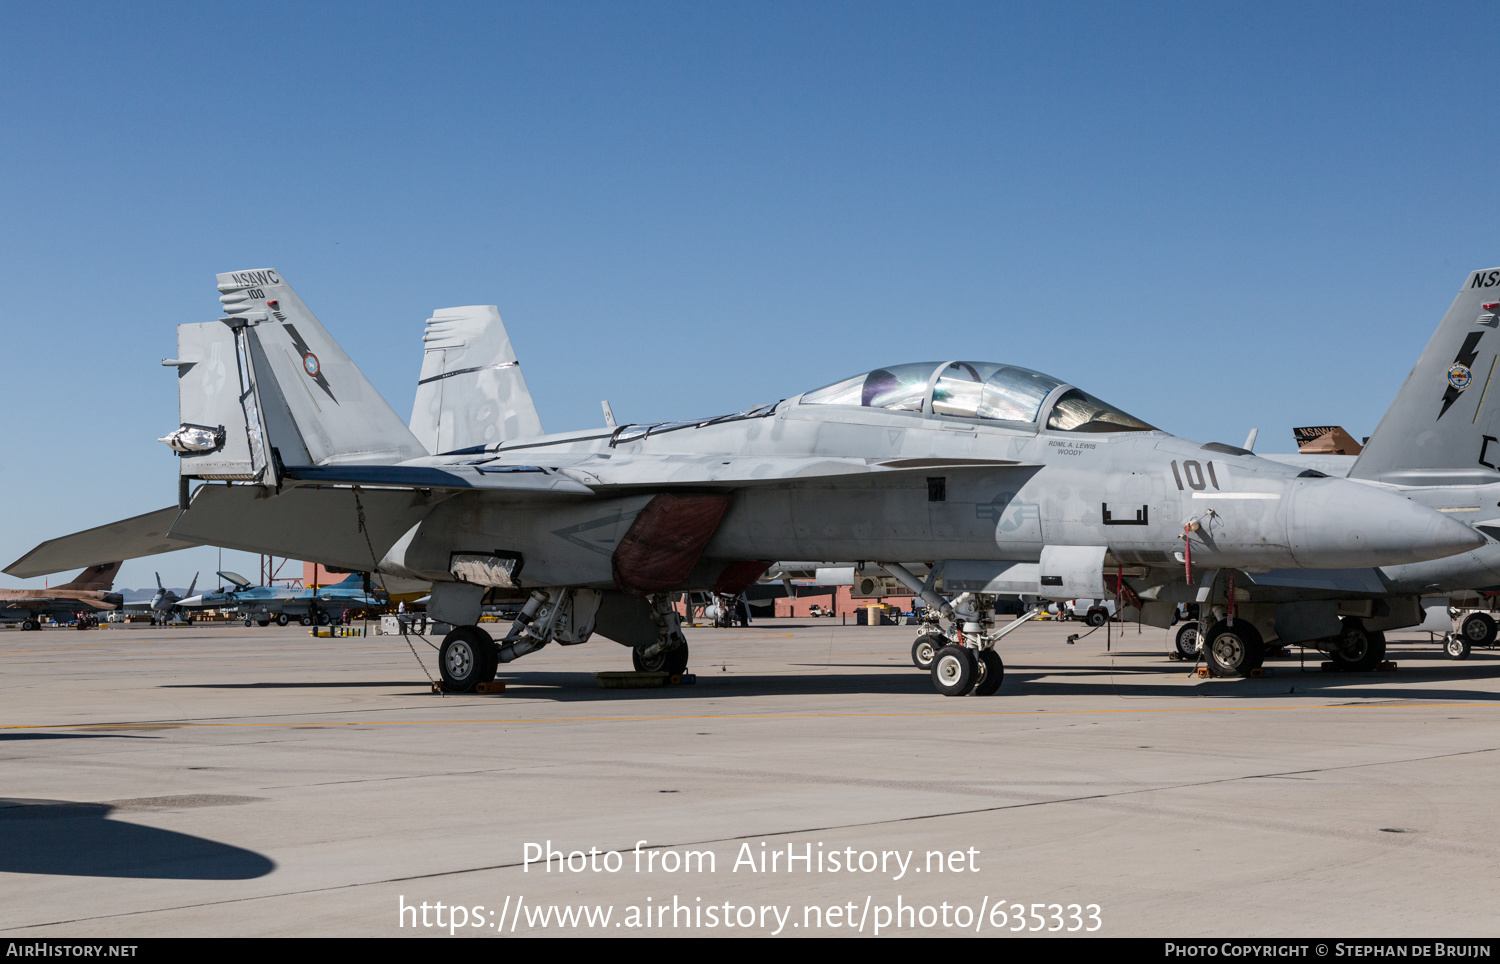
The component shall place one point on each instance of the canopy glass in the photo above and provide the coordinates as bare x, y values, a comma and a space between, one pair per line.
986, 390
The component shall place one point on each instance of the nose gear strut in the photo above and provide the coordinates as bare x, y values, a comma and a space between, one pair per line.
964, 660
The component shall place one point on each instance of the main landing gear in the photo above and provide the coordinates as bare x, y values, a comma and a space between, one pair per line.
470, 656
669, 654
1233, 650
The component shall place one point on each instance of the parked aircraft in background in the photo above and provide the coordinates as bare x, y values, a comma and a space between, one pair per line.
1015, 481
1436, 446
263, 604
164, 605
91, 592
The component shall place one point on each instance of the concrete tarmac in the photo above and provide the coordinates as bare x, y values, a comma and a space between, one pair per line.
222, 780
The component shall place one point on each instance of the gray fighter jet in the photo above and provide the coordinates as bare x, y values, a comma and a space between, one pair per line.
1437, 446
1013, 480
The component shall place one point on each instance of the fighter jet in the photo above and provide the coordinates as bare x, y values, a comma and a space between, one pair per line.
1011, 479
1436, 445
164, 605
262, 604
89, 593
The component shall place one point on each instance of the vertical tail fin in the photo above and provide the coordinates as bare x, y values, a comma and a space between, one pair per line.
313, 399
101, 577
471, 391
1444, 426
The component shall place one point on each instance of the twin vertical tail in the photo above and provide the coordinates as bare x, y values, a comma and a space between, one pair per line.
267, 386
471, 392
1444, 426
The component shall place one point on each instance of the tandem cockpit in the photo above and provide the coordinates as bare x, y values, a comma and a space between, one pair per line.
1005, 394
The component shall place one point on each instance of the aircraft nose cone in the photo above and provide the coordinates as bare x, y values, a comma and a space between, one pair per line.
1335, 524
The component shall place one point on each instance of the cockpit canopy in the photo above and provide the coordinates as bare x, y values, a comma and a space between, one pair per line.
984, 390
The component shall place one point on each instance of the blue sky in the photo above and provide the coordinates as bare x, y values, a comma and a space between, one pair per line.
1217, 216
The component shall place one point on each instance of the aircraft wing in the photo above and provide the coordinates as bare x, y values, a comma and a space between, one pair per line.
589, 475
321, 517
142, 535
513, 477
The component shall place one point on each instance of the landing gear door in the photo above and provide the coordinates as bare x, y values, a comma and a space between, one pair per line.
210, 398
1070, 572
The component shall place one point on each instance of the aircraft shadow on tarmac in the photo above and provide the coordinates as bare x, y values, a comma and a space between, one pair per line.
14, 738
64, 838
1165, 681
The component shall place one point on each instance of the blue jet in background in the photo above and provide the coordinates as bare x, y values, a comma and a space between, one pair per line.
262, 604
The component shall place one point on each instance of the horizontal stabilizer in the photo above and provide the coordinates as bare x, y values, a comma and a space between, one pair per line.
338, 528
142, 535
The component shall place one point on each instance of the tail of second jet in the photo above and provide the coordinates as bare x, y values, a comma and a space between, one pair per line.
1444, 426
267, 386
100, 578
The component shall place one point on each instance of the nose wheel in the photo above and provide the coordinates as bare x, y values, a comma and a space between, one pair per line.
959, 671
924, 650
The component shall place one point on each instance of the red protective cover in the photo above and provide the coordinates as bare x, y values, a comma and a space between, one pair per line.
665, 540
739, 576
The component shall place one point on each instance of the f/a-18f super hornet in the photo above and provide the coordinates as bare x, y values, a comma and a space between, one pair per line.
1437, 446
164, 604
1012, 480
90, 593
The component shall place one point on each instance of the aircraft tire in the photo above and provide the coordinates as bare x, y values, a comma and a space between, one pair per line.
491, 654
323, 619
306, 620
955, 670
1456, 646
1187, 640
263, 622
991, 673
1357, 650
463, 658
1478, 629
1233, 650
924, 651
672, 661
1097, 617
248, 620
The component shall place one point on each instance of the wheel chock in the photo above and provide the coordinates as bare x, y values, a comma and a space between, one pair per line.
490, 688
1260, 672
1388, 666
1328, 667
1203, 672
